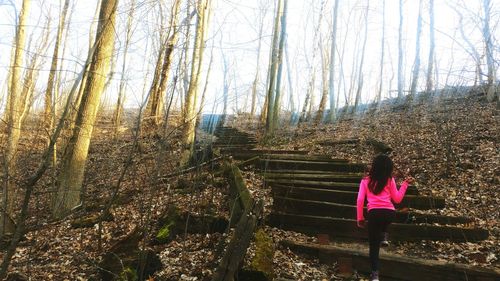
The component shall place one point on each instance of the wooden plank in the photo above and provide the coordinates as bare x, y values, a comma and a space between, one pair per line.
284, 156
266, 151
347, 229
311, 165
329, 177
348, 197
328, 209
344, 186
393, 266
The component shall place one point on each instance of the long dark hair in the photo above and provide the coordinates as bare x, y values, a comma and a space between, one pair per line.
380, 172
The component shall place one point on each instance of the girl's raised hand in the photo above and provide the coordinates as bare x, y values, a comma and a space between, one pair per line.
410, 180
361, 224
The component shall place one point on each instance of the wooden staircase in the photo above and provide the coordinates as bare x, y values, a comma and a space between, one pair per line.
316, 194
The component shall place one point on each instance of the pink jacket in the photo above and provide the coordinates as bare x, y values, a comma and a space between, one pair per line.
383, 200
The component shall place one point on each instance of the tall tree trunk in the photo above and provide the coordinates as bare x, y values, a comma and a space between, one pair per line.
154, 107
49, 98
331, 78
70, 179
78, 98
324, 84
14, 112
382, 53
256, 79
491, 92
117, 116
281, 46
190, 112
361, 63
416, 64
400, 51
273, 68
430, 68
289, 78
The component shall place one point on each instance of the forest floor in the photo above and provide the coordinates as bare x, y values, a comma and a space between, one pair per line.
450, 145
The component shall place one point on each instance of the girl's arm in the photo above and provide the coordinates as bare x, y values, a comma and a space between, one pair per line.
397, 195
361, 201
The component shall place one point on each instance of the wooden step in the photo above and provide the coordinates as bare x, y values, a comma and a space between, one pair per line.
347, 211
348, 229
309, 172
243, 155
311, 165
344, 186
328, 177
349, 197
393, 266
264, 151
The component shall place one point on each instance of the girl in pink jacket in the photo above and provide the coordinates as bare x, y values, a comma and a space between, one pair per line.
379, 187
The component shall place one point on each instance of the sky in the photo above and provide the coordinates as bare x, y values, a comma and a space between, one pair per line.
233, 36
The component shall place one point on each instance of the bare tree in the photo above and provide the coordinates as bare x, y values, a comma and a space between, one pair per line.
14, 119
331, 78
70, 179
256, 79
121, 95
382, 53
280, 67
488, 44
273, 68
416, 64
361, 63
432, 44
400, 51
190, 111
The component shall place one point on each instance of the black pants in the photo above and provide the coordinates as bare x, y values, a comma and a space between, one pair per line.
378, 221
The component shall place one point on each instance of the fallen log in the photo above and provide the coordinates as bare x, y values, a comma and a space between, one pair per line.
311, 165
348, 229
344, 186
328, 209
239, 196
349, 197
237, 248
393, 266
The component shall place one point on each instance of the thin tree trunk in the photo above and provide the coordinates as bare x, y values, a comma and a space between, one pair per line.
273, 69
280, 67
14, 112
382, 53
416, 64
491, 92
190, 112
289, 78
70, 179
331, 78
121, 95
430, 82
324, 84
361, 63
49, 100
256, 79
400, 51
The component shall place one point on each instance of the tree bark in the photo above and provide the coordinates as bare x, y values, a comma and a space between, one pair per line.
331, 78
121, 95
491, 92
382, 53
280, 67
416, 64
190, 112
273, 69
70, 179
430, 67
14, 112
400, 51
